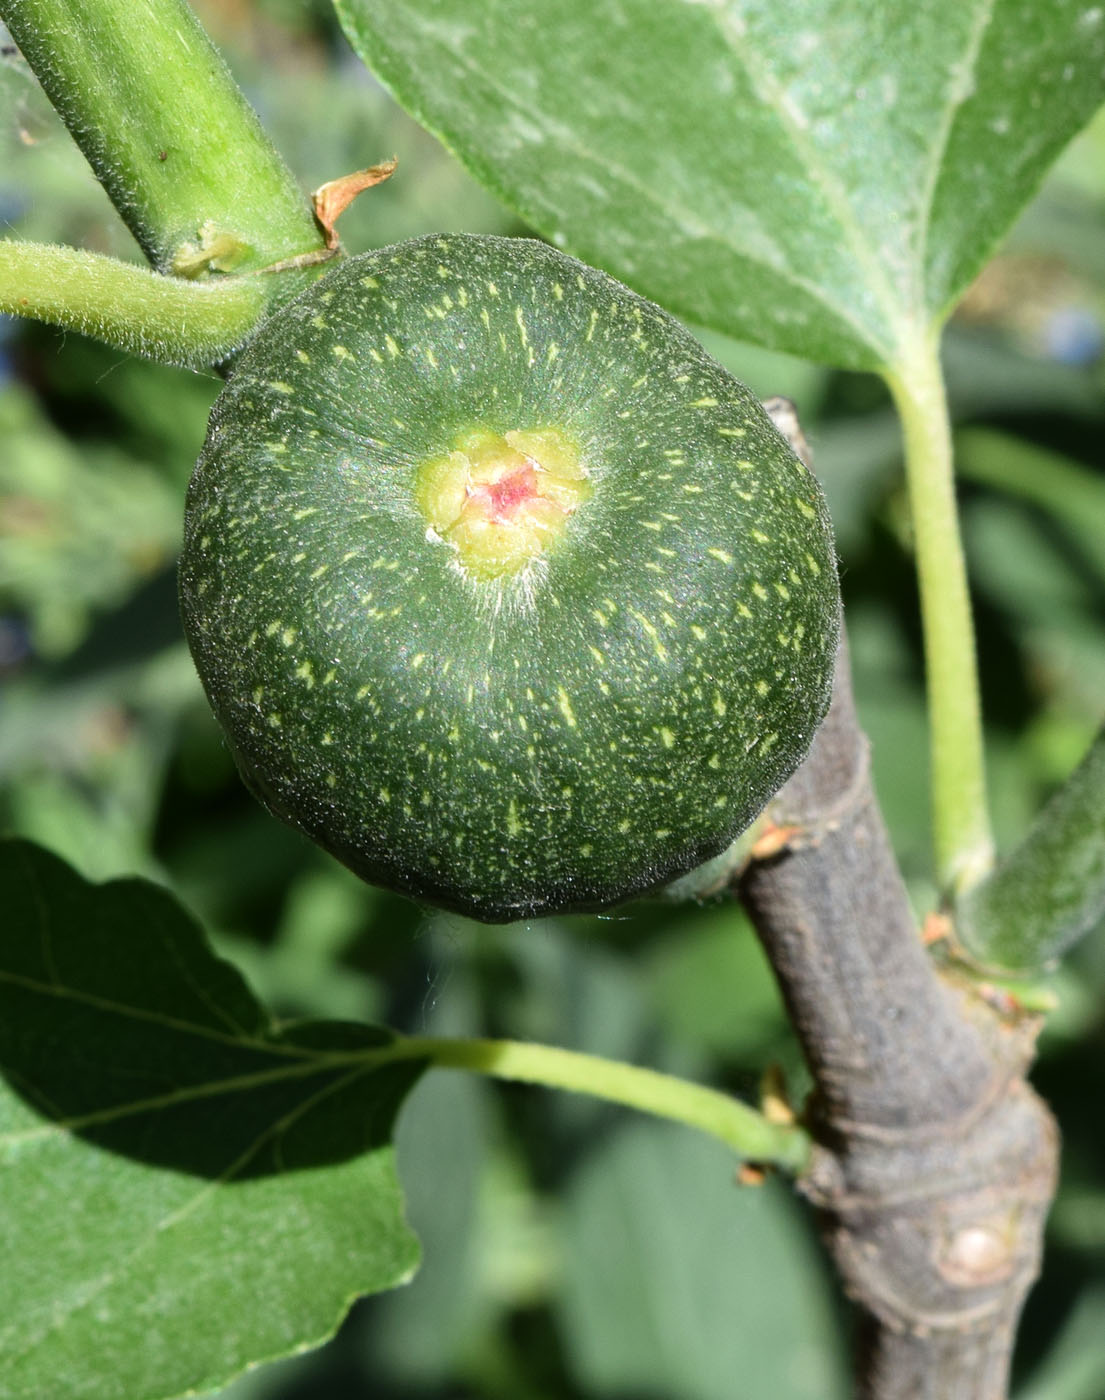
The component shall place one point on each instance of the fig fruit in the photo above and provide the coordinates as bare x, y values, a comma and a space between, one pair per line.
502, 590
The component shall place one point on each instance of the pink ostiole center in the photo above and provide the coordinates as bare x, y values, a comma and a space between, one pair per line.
502, 500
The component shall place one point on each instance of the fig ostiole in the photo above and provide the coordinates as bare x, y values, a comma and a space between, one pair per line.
501, 589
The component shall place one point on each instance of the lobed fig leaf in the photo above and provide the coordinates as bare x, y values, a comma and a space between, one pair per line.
502, 590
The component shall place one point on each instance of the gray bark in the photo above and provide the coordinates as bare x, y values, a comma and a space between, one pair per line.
935, 1162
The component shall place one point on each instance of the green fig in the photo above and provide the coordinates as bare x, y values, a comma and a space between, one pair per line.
503, 590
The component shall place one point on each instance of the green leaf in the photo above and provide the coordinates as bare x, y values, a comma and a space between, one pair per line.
420, 1333
1050, 890
83, 526
1074, 495
713, 986
822, 177
1073, 1368
184, 1189
704, 1292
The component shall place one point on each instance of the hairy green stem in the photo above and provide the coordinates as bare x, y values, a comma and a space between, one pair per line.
163, 318
747, 1132
170, 137
960, 819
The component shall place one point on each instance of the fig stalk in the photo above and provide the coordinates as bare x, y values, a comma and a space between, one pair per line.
168, 133
167, 319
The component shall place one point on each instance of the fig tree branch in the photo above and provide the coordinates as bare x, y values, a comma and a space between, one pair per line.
935, 1162
169, 135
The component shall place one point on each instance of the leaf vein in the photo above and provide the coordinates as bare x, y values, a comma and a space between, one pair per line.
361, 1062
968, 65
101, 1283
246, 1040
677, 217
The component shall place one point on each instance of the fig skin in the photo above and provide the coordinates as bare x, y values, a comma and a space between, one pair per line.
561, 736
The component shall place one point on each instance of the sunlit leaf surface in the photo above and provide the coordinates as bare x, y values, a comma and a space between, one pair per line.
821, 177
184, 1189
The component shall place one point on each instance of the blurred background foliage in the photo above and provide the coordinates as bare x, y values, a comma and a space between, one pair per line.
571, 1252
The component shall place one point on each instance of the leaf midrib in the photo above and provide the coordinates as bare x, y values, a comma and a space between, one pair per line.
757, 70
951, 110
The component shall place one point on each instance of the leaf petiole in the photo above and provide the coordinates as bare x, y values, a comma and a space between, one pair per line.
745, 1130
960, 817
